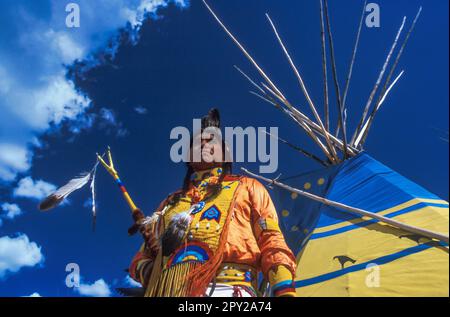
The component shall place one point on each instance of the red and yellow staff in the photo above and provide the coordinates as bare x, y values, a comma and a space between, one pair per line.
137, 214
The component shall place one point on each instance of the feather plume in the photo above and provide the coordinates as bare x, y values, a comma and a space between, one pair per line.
94, 210
61, 193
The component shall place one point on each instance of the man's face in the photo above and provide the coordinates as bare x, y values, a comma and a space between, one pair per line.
208, 145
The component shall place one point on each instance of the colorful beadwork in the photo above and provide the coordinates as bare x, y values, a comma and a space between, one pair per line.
194, 251
212, 213
199, 207
248, 276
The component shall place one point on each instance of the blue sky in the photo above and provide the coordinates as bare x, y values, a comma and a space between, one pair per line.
160, 72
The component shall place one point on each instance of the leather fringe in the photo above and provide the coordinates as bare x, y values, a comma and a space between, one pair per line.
173, 282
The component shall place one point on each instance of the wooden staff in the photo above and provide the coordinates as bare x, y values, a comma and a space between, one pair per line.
137, 214
340, 206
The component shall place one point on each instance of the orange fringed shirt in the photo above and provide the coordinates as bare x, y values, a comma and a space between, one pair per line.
249, 241
254, 239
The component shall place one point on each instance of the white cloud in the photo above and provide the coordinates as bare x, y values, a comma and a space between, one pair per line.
67, 48
130, 282
29, 188
136, 15
141, 110
13, 159
35, 94
109, 123
35, 294
18, 252
108, 116
98, 289
84, 122
11, 210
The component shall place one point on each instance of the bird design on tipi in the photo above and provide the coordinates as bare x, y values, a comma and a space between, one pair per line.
343, 259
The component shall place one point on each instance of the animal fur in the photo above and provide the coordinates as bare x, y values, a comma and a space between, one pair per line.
175, 233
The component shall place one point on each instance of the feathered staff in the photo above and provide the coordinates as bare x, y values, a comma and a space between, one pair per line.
76, 183
137, 214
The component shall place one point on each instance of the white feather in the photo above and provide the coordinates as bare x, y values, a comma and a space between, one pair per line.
73, 185
63, 192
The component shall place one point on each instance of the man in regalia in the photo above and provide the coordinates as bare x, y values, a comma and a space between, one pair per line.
216, 234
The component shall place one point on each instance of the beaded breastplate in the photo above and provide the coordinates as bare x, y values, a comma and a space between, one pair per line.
202, 238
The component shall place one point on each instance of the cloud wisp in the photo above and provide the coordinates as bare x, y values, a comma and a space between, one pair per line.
130, 282
141, 110
36, 96
17, 253
10, 211
97, 289
29, 188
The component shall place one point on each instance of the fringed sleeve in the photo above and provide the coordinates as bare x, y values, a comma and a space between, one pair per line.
142, 264
274, 251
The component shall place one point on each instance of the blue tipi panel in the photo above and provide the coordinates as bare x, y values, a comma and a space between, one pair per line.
343, 254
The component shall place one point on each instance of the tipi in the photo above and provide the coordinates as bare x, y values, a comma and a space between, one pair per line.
340, 252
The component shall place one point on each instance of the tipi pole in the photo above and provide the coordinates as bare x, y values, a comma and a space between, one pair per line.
389, 76
273, 87
377, 84
335, 80
298, 149
340, 206
301, 122
297, 115
242, 48
352, 62
360, 138
249, 79
324, 69
305, 122
304, 90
